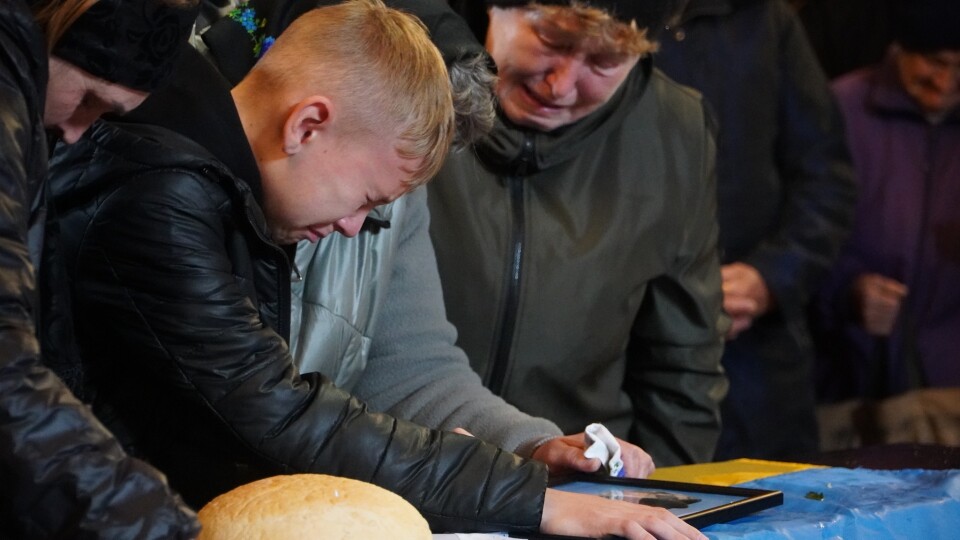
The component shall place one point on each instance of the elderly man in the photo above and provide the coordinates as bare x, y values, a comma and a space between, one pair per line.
891, 310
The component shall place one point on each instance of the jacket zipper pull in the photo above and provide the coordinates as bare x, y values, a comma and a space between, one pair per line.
295, 275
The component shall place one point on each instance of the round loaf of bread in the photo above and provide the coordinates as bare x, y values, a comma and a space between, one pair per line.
303, 506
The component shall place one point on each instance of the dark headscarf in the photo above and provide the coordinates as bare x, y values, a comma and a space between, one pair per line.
128, 42
646, 13
927, 25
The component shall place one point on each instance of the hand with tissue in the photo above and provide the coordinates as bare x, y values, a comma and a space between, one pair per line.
585, 452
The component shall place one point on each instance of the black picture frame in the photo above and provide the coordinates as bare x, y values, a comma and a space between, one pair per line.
712, 504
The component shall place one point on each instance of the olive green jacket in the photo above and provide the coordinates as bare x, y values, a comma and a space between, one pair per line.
580, 267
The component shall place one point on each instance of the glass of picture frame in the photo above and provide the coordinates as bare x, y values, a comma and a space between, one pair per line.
697, 504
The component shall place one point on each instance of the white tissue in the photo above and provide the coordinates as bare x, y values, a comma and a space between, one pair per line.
602, 445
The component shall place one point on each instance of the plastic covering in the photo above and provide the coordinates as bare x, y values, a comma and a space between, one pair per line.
853, 504
846, 504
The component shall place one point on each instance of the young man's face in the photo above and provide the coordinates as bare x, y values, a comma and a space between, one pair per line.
76, 99
931, 79
333, 189
548, 78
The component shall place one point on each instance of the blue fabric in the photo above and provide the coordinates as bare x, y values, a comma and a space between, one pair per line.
856, 504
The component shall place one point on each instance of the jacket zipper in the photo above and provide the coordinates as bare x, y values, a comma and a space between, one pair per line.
514, 271
285, 264
283, 307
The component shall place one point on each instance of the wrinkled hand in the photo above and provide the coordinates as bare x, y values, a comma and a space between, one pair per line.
877, 300
565, 454
745, 296
575, 514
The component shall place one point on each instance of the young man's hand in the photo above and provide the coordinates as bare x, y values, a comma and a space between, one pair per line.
574, 514
565, 454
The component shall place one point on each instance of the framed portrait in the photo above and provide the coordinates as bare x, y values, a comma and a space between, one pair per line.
697, 504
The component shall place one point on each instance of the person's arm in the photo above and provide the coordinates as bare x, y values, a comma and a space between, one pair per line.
63, 474
162, 297
815, 168
414, 370
674, 377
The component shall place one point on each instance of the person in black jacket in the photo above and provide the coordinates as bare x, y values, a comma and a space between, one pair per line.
785, 204
63, 474
179, 257
381, 287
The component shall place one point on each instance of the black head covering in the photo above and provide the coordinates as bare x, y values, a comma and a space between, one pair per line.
448, 31
128, 42
646, 13
927, 25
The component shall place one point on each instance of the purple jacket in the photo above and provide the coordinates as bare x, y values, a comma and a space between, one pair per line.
907, 228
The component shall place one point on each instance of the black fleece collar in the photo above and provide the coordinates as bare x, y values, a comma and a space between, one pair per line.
197, 104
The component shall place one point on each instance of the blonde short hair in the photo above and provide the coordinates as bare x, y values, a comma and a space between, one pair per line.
594, 26
381, 64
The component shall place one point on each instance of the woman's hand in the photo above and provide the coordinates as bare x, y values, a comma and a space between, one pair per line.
565, 454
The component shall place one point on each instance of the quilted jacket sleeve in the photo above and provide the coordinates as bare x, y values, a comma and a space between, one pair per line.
158, 267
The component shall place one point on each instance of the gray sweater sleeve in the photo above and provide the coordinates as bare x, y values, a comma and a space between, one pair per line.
415, 370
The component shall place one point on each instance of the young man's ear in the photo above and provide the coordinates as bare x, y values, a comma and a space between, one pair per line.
305, 121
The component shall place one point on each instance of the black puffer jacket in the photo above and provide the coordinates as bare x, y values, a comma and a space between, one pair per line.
62, 475
185, 306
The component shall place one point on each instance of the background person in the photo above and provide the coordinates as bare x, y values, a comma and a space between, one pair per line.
786, 195
61, 67
890, 312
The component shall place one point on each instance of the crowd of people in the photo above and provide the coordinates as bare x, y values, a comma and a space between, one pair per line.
424, 244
